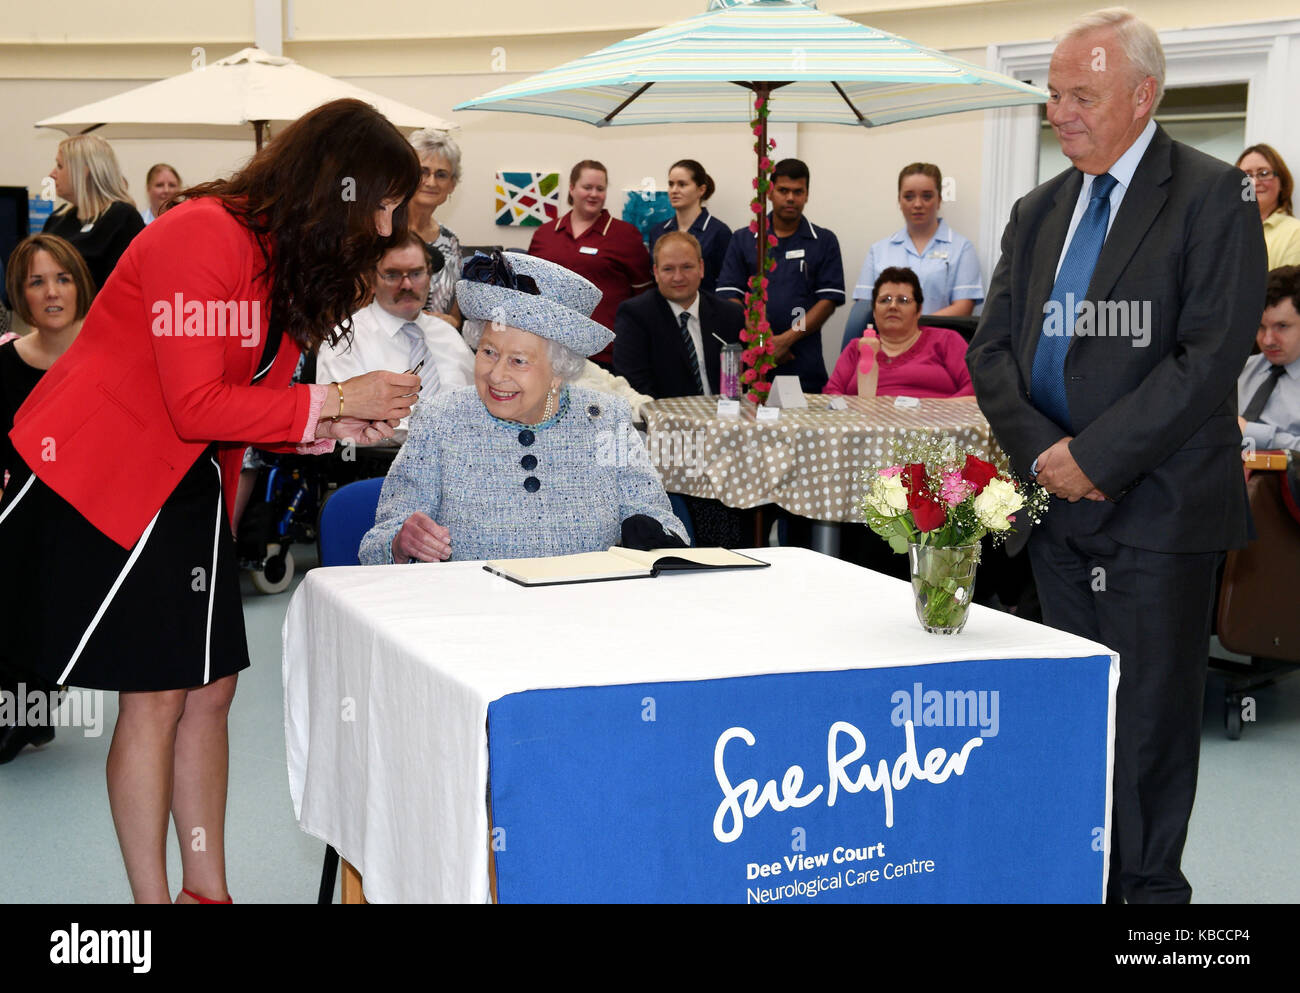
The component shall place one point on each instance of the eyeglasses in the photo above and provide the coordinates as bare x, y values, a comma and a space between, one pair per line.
902, 301
1259, 174
394, 276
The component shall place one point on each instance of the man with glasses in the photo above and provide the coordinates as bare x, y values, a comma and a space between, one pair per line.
394, 333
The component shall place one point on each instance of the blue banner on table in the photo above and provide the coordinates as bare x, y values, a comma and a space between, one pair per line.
964, 781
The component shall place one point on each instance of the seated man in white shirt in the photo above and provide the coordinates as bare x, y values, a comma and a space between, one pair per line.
394, 333
1268, 389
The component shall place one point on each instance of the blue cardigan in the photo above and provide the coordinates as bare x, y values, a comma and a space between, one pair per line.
505, 490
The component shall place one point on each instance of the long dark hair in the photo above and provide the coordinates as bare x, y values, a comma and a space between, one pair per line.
313, 192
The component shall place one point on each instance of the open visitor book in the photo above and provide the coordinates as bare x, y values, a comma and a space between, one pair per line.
617, 563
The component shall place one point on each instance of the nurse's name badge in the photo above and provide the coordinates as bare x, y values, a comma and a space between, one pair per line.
587, 250
939, 254
794, 253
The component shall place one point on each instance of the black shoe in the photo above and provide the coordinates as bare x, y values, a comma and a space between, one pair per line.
15, 738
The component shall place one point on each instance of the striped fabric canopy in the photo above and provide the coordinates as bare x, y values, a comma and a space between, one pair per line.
832, 71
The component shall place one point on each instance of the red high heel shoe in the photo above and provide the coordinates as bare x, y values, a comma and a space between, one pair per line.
202, 899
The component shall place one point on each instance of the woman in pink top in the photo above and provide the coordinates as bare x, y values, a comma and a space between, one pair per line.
909, 360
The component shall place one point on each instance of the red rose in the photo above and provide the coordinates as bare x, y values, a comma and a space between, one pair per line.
978, 473
928, 513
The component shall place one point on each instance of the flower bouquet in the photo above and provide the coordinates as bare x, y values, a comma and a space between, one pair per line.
936, 501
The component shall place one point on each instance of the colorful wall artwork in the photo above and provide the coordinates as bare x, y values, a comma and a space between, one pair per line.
527, 199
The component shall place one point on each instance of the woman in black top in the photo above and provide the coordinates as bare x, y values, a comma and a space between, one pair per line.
101, 218
50, 288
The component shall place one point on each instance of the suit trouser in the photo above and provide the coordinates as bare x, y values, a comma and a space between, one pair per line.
1153, 608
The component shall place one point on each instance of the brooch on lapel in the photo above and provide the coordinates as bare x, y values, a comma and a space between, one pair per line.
593, 410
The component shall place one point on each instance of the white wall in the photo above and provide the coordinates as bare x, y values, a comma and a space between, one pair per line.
435, 55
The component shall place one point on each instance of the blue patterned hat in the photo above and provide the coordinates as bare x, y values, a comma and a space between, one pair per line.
532, 294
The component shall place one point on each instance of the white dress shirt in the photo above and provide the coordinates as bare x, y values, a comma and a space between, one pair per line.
378, 343
1123, 169
697, 336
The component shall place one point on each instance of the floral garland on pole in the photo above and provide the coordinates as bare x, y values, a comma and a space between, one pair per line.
757, 333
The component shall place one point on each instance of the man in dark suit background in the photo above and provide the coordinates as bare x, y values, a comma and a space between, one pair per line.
1127, 414
653, 349
665, 345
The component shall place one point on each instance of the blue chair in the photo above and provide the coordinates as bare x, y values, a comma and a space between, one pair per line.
348, 514
683, 511
344, 520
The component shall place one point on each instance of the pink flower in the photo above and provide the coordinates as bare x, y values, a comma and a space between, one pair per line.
753, 227
760, 102
764, 327
954, 489
748, 376
771, 240
756, 208
755, 182
747, 356
769, 349
765, 163
771, 143
890, 471
764, 282
758, 130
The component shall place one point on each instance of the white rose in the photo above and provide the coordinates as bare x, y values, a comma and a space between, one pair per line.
998, 501
887, 496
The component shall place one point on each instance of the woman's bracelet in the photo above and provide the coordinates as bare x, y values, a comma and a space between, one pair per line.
339, 387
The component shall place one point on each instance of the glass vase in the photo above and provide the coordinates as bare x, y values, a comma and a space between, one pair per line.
943, 583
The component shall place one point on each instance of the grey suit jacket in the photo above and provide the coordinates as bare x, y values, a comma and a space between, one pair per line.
1155, 422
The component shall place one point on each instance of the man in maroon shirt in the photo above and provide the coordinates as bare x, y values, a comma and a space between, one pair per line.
597, 246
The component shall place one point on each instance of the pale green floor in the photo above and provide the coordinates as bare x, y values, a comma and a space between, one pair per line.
57, 843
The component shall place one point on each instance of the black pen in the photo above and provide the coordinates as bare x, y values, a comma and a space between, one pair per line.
413, 372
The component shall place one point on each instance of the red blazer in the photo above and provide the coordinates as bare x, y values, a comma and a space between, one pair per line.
160, 370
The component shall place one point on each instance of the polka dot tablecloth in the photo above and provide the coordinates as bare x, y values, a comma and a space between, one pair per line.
808, 462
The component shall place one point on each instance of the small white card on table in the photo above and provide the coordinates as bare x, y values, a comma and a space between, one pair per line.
728, 408
768, 413
786, 393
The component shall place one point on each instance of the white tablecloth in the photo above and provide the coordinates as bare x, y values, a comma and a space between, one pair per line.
389, 670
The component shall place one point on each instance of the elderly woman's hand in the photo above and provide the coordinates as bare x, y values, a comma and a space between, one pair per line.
423, 538
376, 396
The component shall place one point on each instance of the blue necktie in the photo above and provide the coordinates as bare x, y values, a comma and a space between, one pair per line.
684, 319
1047, 385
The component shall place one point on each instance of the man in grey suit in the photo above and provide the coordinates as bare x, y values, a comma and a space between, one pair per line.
1119, 316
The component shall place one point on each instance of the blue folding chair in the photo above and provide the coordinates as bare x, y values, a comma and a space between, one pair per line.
348, 514
344, 520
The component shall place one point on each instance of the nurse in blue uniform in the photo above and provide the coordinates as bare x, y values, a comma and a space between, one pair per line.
688, 187
943, 259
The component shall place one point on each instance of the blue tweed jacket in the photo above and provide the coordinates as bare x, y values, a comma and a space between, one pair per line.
509, 491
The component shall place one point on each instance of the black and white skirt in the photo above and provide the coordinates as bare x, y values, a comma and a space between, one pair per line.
81, 610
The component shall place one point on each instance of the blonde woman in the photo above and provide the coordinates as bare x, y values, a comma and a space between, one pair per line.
100, 218
161, 183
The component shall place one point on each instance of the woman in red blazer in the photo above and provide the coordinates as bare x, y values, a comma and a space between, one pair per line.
133, 441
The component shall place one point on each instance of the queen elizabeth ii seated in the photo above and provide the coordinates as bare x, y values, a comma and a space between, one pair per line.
522, 464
